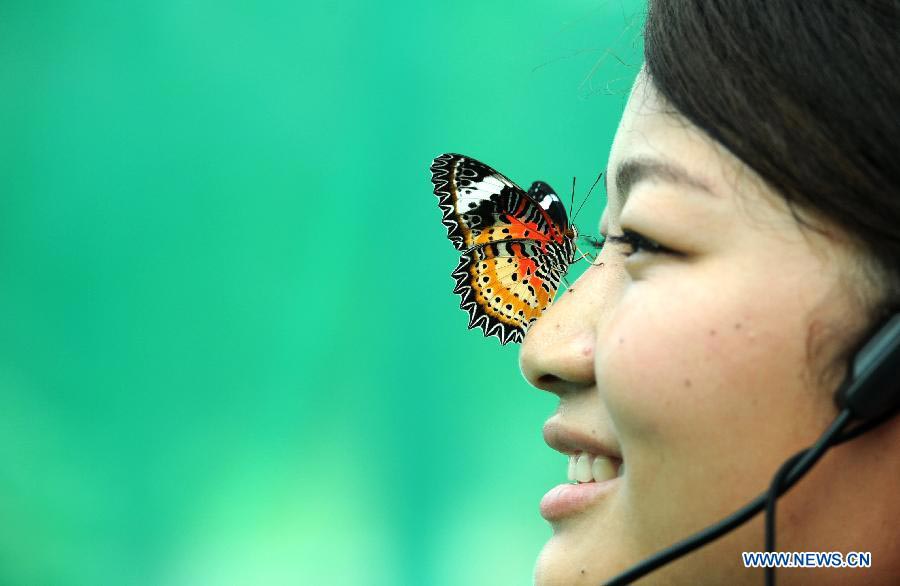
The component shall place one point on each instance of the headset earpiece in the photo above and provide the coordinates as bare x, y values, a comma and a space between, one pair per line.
872, 387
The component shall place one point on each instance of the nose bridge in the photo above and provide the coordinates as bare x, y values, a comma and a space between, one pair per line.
558, 351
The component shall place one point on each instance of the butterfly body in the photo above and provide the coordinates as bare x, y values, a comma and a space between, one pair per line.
515, 246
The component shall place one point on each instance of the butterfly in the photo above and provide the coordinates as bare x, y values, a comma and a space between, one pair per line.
516, 246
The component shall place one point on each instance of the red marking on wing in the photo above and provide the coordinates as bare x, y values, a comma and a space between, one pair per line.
520, 229
527, 267
555, 233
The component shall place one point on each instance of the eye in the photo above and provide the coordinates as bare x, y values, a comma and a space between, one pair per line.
638, 243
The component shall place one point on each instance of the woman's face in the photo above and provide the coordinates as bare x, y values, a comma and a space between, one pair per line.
699, 366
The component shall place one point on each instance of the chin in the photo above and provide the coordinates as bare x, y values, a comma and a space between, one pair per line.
570, 564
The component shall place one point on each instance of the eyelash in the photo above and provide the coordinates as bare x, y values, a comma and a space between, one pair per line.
638, 243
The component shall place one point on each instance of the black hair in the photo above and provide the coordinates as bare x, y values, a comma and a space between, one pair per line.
805, 93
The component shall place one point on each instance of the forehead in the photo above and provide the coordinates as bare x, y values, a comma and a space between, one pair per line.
652, 129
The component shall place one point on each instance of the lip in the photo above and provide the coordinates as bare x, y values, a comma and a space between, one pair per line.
569, 499
566, 500
571, 441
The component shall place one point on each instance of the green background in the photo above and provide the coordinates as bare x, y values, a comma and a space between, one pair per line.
229, 351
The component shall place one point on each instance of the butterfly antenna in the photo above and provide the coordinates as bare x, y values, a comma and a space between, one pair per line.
596, 181
572, 201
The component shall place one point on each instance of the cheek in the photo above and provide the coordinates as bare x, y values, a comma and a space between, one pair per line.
685, 364
650, 359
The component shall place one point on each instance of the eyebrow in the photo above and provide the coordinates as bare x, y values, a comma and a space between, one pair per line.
633, 171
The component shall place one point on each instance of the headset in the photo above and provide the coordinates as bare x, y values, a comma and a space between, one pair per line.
869, 396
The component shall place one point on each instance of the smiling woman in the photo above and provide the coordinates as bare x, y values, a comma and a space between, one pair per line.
753, 239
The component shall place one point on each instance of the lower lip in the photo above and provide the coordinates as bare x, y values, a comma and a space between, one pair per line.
568, 499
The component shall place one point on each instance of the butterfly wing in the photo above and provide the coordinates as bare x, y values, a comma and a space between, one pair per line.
516, 246
481, 205
505, 286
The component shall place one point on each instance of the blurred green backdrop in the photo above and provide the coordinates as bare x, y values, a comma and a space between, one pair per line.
229, 351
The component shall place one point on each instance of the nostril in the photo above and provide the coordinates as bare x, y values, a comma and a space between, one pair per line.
548, 382
560, 385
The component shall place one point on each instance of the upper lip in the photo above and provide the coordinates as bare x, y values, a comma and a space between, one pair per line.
571, 441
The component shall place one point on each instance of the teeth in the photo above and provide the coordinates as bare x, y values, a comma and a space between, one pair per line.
602, 469
585, 467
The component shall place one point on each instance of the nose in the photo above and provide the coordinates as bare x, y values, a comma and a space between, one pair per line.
557, 353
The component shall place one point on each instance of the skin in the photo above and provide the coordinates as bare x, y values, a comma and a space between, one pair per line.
706, 369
